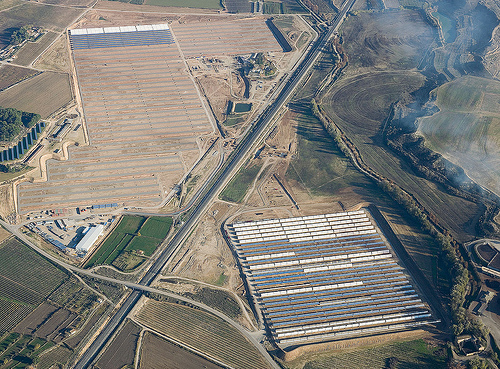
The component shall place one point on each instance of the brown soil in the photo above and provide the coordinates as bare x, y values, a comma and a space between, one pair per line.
154, 350
121, 352
7, 209
30, 324
205, 256
43, 94
4, 234
217, 91
10, 74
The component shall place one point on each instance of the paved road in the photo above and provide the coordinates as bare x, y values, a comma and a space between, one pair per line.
234, 161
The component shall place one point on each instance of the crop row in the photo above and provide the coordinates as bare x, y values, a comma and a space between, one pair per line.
12, 315
156, 227
130, 224
203, 332
24, 266
59, 355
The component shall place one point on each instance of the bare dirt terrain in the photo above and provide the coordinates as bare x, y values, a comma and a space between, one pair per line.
121, 351
154, 350
56, 58
166, 150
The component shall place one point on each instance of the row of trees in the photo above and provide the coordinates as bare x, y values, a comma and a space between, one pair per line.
13, 122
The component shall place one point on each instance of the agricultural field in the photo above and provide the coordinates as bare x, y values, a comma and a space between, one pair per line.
43, 94
361, 118
39, 306
381, 50
237, 188
4, 234
319, 166
386, 40
154, 350
26, 280
238, 6
466, 130
53, 18
201, 331
411, 354
59, 355
121, 351
131, 242
5, 4
31, 50
10, 75
216, 298
20, 351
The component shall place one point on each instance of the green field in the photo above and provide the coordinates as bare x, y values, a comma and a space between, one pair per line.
466, 130
133, 238
237, 188
202, 331
410, 354
201, 4
156, 227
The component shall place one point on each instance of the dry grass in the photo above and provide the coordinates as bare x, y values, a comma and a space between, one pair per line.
56, 58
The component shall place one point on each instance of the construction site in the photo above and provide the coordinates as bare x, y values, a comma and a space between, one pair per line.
143, 116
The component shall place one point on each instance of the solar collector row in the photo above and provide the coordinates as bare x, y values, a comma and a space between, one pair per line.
321, 294
278, 245
326, 270
294, 320
306, 250
343, 326
338, 299
293, 330
311, 278
364, 331
292, 239
294, 312
120, 39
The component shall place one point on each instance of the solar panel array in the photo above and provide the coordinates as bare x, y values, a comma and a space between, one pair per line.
228, 37
143, 116
94, 38
325, 277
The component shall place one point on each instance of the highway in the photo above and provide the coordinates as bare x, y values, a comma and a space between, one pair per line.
234, 161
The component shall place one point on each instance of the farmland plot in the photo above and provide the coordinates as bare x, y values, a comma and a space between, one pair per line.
203, 332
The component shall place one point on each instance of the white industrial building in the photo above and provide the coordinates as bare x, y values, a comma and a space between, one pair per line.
90, 237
